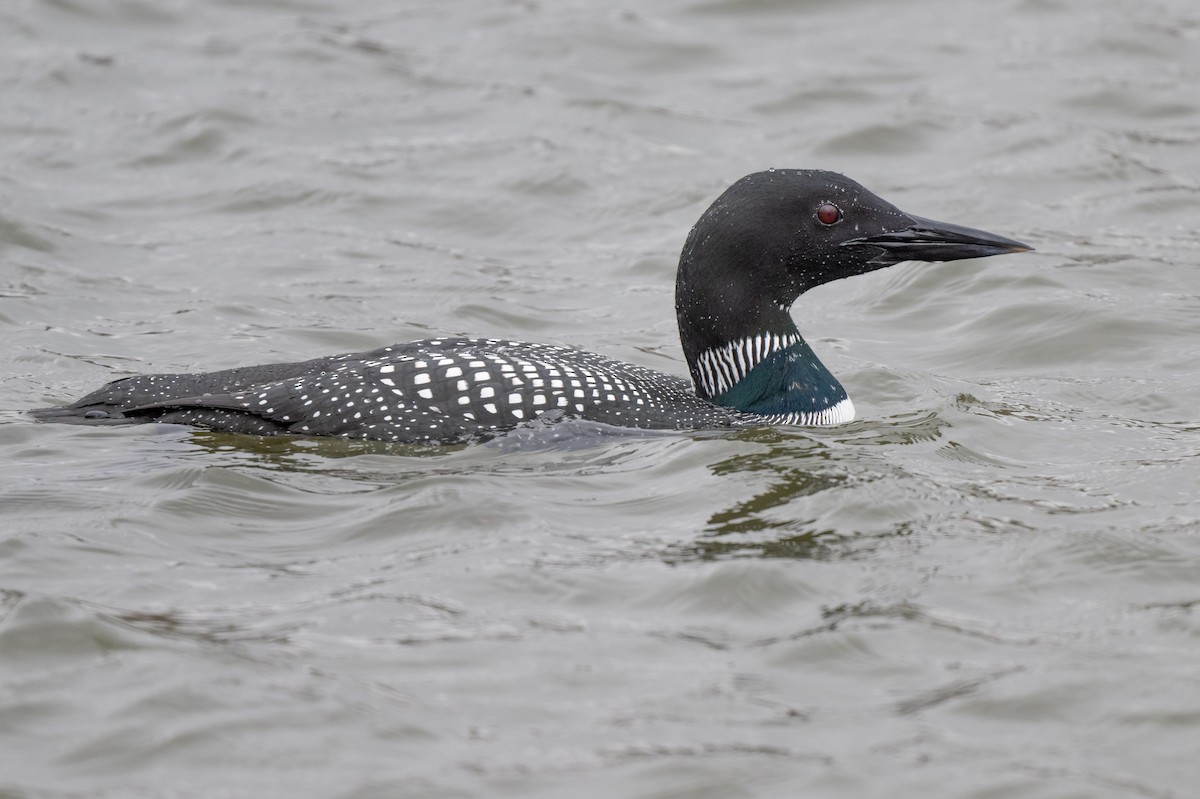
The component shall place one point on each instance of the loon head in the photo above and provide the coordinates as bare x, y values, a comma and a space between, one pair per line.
774, 235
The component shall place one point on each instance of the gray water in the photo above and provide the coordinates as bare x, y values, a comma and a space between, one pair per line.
988, 586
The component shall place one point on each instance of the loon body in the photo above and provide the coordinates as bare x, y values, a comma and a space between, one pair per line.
769, 238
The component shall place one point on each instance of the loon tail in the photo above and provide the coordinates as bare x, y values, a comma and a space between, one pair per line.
68, 414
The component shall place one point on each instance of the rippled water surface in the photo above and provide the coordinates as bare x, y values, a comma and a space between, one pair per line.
988, 586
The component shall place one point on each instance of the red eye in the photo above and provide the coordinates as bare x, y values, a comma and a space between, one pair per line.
829, 214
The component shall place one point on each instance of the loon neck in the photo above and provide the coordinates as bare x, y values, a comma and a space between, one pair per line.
776, 375
717, 370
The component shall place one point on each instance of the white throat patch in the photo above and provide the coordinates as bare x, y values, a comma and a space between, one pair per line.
835, 414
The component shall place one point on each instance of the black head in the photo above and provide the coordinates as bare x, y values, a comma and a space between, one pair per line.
773, 235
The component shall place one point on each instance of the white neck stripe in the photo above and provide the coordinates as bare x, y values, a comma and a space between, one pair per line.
722, 368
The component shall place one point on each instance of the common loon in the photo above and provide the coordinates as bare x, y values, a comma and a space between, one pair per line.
766, 240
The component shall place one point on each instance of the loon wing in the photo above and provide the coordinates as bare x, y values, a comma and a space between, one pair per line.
441, 390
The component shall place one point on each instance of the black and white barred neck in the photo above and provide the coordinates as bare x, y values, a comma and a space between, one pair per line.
718, 373
721, 368
767, 239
